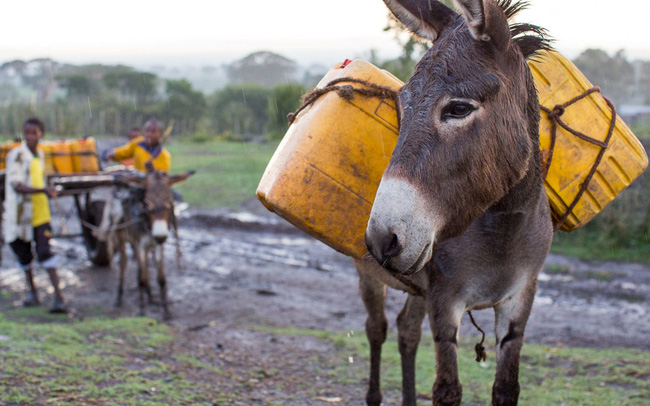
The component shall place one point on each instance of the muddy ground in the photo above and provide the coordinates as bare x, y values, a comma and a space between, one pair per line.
249, 268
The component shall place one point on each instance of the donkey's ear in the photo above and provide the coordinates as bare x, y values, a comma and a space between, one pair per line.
486, 21
180, 178
130, 180
425, 18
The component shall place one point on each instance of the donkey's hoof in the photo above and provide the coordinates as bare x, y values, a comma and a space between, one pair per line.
373, 399
447, 394
505, 394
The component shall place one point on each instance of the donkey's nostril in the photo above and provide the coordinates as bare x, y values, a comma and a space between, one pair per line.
390, 245
383, 247
160, 239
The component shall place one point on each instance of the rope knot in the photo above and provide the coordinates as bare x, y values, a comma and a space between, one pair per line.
556, 112
346, 92
481, 355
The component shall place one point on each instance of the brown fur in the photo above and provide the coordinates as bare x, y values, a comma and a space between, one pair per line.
484, 180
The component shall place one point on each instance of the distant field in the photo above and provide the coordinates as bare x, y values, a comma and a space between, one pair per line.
227, 173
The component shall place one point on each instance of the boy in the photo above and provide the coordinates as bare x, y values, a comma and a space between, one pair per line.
27, 211
135, 135
149, 149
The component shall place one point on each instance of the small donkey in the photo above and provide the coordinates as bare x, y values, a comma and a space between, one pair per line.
460, 220
142, 220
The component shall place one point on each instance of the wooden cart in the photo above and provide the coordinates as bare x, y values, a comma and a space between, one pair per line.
86, 207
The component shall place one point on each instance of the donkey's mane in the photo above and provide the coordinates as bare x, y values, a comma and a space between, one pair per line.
531, 39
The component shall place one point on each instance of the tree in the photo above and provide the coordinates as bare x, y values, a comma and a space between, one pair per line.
264, 68
38, 74
78, 86
242, 109
141, 86
184, 104
412, 50
644, 81
284, 99
614, 75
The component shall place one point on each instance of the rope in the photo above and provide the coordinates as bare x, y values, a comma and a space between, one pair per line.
346, 92
481, 355
178, 241
554, 115
119, 226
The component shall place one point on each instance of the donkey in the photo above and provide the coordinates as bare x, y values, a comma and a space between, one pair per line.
461, 220
142, 220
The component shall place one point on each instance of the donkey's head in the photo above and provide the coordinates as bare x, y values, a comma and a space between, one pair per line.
158, 200
468, 128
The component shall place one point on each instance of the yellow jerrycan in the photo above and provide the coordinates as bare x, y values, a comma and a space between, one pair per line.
4, 150
61, 157
325, 173
590, 155
46, 147
84, 157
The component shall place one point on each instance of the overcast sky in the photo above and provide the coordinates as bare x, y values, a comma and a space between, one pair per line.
144, 32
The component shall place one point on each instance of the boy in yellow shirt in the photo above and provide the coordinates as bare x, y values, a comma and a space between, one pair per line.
27, 211
142, 151
135, 135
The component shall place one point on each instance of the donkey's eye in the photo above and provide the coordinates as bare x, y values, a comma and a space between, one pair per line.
456, 110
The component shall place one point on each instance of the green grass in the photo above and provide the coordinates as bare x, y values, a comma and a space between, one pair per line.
548, 375
641, 130
227, 173
556, 269
133, 361
588, 244
95, 361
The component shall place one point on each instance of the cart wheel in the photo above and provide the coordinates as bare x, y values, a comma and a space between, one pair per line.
97, 250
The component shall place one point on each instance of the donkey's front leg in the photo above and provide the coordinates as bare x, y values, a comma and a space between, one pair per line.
373, 295
444, 317
159, 253
409, 328
143, 274
119, 240
511, 317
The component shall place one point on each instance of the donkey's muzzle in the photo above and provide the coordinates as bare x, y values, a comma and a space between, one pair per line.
402, 226
159, 231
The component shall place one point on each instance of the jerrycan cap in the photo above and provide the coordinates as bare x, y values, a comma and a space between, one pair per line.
345, 63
